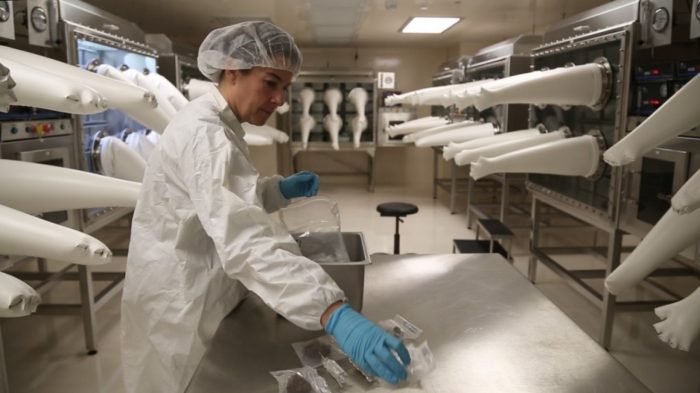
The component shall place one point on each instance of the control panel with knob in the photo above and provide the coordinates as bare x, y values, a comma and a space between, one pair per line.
18, 130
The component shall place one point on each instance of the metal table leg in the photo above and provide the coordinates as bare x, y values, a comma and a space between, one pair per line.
294, 163
470, 195
435, 173
370, 170
87, 296
534, 240
510, 250
4, 383
41, 265
609, 300
505, 198
453, 186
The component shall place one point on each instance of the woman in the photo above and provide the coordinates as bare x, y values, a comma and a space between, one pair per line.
202, 237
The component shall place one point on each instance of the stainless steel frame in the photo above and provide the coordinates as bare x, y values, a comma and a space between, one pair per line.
83, 21
449, 73
74, 31
616, 108
614, 16
4, 380
7, 22
601, 219
507, 58
695, 19
68, 21
176, 62
54, 149
682, 169
620, 29
454, 185
504, 59
51, 149
387, 116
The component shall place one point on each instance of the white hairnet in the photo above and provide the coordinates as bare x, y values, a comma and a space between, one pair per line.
246, 45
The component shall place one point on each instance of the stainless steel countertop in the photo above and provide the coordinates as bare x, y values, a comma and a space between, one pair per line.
489, 328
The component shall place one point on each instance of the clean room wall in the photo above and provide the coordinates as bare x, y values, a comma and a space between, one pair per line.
265, 158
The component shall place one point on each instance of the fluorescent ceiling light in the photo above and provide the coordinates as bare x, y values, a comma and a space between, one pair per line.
432, 25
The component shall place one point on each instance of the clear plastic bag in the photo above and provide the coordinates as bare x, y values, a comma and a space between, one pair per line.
336, 371
401, 328
422, 360
322, 247
300, 380
315, 225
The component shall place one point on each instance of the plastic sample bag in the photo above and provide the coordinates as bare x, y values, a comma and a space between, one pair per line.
336, 371
402, 329
300, 380
422, 360
315, 225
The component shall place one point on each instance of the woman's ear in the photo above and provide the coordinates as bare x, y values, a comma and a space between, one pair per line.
229, 76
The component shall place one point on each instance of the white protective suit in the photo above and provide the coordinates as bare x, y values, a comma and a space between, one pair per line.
201, 237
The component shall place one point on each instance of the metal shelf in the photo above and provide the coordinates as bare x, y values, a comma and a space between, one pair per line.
453, 184
327, 150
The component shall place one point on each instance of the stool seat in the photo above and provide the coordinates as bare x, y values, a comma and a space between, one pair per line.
396, 209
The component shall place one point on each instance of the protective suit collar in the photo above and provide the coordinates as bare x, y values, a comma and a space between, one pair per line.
226, 114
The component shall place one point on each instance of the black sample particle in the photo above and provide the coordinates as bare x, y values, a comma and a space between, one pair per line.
397, 332
297, 384
315, 350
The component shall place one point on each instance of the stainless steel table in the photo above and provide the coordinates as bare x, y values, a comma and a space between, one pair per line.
490, 329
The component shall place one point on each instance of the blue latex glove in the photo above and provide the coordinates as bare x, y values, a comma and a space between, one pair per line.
300, 184
368, 345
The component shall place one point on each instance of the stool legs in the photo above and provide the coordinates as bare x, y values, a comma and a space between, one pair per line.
397, 237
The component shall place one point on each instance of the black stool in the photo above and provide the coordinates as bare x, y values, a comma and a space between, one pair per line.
398, 210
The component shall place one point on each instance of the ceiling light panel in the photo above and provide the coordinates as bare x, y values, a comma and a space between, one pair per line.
429, 25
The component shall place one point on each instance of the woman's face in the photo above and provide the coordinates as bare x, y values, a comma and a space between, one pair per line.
256, 93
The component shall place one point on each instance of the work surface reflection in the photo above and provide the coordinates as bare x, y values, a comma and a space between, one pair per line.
489, 328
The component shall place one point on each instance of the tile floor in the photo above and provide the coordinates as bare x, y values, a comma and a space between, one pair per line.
46, 353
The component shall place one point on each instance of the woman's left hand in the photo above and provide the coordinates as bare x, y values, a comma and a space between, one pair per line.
300, 184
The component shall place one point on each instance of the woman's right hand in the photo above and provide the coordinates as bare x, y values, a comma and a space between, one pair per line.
368, 345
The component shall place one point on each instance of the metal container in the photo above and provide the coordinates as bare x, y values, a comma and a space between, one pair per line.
350, 276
